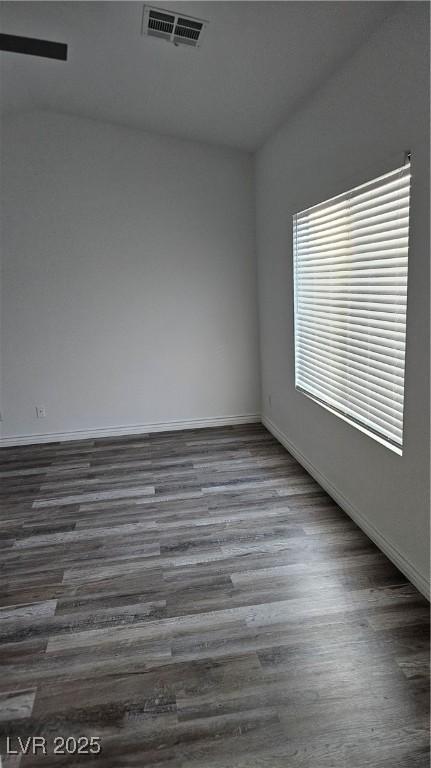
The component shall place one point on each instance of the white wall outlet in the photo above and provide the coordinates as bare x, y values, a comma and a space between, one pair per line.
40, 411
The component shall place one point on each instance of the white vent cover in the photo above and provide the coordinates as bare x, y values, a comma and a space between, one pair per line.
173, 27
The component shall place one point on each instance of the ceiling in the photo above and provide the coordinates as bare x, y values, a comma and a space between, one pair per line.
258, 61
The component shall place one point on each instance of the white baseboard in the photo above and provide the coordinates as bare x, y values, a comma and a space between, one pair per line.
129, 429
389, 549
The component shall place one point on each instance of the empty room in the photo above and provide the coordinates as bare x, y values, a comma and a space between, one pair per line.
215, 384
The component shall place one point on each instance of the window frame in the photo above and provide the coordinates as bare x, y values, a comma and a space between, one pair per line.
345, 416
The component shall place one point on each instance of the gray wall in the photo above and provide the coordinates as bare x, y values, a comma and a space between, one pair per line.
354, 128
129, 292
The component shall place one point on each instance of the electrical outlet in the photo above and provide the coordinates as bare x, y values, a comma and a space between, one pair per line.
40, 411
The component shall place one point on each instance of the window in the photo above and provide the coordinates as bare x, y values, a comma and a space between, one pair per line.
350, 276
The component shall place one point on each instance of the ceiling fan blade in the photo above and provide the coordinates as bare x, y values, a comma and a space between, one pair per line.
33, 47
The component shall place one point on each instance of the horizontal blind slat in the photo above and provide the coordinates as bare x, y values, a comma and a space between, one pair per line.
387, 294
398, 238
394, 435
368, 283
392, 191
351, 304
350, 406
371, 252
341, 273
391, 347
385, 213
376, 335
385, 389
390, 323
387, 383
360, 400
353, 404
388, 393
358, 307
329, 216
360, 229
350, 332
359, 258
382, 204
388, 366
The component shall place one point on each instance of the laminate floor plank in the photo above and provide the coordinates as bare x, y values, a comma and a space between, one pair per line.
196, 600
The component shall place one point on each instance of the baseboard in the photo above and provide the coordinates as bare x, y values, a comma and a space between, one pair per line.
130, 429
389, 549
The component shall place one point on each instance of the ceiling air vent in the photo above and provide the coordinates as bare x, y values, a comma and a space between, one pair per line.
177, 29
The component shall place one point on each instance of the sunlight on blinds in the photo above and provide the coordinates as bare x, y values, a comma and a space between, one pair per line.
350, 276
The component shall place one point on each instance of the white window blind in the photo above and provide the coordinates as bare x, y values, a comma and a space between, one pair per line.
350, 274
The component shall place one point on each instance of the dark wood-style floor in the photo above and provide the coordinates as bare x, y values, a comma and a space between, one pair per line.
196, 600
